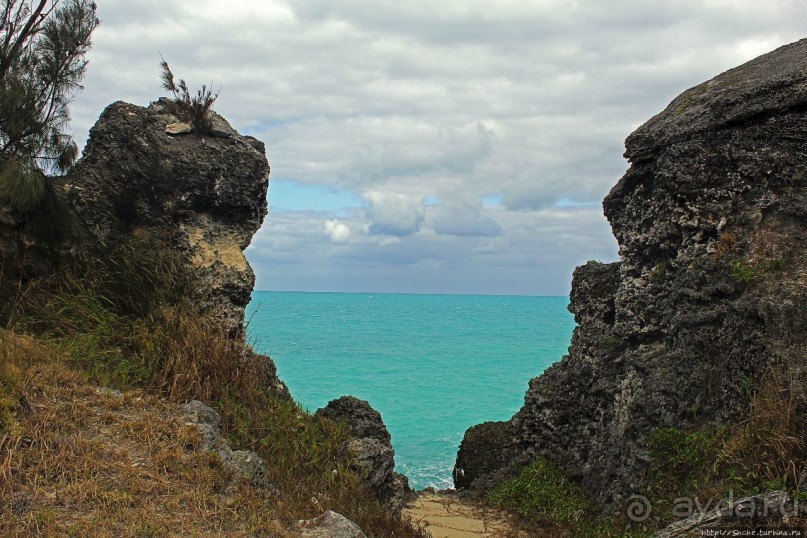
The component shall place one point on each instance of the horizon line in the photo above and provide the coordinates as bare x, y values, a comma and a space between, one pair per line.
411, 293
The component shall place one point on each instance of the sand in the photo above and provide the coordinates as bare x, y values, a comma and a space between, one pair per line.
445, 516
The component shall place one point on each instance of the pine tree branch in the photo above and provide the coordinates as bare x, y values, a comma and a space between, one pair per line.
34, 19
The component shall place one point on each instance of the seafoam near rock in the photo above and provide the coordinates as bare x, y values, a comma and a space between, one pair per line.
708, 294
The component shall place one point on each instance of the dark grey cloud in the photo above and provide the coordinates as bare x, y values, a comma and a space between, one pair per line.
463, 218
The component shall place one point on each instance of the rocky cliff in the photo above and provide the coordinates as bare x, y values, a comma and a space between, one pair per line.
204, 195
709, 292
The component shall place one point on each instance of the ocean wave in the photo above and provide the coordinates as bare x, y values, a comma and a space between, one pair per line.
428, 475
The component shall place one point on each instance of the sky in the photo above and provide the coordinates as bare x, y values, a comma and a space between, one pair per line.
459, 146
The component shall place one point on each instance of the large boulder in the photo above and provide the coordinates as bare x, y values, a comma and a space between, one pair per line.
373, 455
203, 195
710, 289
486, 452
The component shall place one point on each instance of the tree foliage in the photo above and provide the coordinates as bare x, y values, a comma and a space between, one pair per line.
42, 49
192, 108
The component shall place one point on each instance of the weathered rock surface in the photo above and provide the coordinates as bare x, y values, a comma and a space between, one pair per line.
487, 450
243, 463
204, 195
374, 457
710, 289
763, 509
331, 525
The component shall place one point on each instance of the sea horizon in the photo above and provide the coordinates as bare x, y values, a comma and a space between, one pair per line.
480, 294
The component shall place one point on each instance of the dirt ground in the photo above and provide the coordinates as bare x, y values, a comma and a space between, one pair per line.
446, 516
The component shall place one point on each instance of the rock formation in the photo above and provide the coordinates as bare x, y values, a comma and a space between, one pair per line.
243, 463
374, 457
330, 525
710, 290
204, 195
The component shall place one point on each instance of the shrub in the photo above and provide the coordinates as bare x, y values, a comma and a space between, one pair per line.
679, 460
742, 271
611, 343
659, 272
22, 185
195, 109
541, 494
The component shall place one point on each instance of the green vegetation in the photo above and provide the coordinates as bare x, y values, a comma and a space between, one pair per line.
683, 105
679, 461
612, 343
195, 109
746, 271
126, 323
774, 264
42, 48
742, 271
550, 504
542, 494
659, 272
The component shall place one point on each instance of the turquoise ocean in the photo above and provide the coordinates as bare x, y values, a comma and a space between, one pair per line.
432, 365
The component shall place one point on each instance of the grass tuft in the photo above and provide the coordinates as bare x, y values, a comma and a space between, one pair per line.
193, 108
542, 495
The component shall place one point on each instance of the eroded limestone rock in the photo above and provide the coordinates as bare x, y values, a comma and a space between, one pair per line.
203, 195
331, 525
374, 457
243, 463
710, 290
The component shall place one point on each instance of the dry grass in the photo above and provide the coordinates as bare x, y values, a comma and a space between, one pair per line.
89, 463
770, 445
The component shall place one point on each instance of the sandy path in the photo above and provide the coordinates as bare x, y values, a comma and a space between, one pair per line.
445, 516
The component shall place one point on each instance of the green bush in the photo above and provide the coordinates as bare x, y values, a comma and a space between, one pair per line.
541, 494
680, 460
195, 109
742, 271
22, 185
659, 272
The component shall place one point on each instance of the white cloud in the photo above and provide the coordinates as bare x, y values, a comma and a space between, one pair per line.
338, 232
463, 218
392, 213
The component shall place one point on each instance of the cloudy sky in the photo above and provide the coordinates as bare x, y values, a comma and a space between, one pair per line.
455, 146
